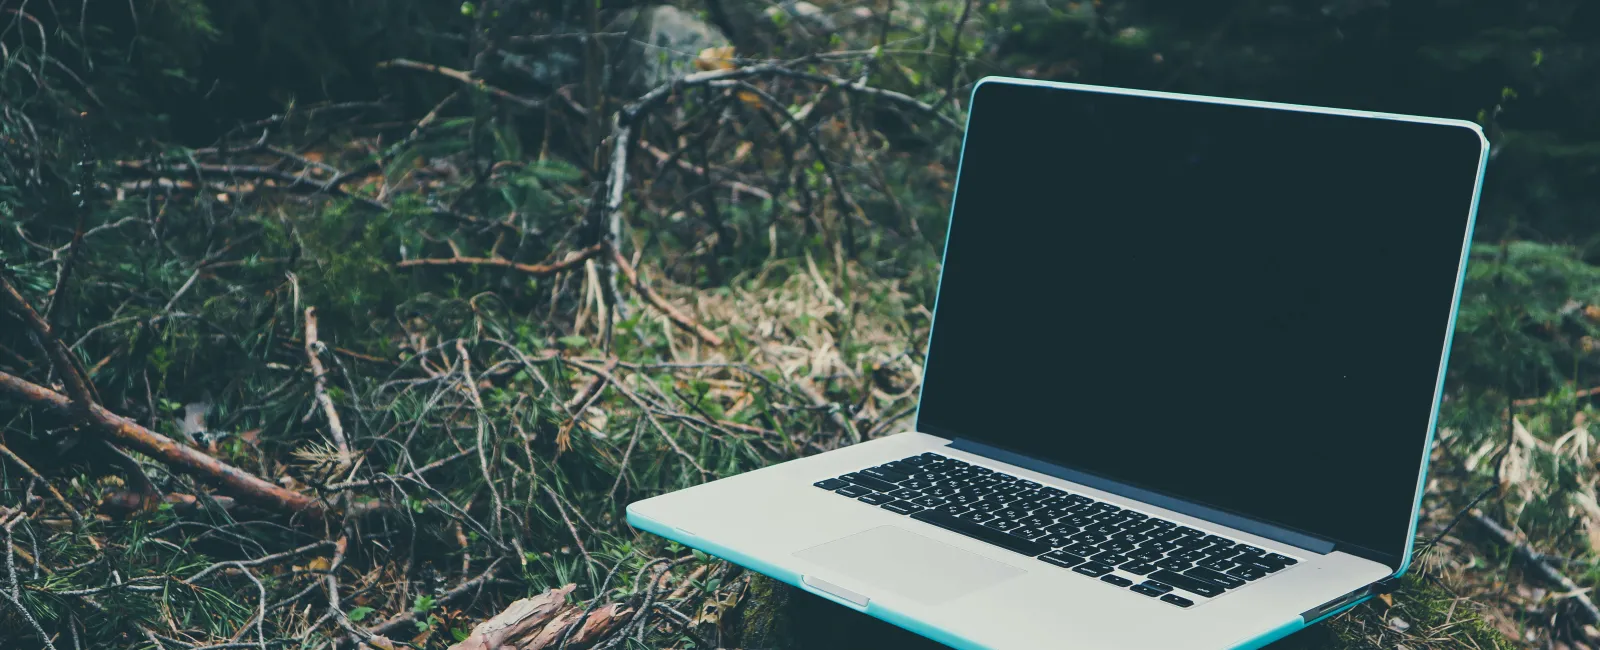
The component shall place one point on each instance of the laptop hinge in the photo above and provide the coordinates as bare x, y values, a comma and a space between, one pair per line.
1255, 527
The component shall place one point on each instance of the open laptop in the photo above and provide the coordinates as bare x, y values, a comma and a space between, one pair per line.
1183, 376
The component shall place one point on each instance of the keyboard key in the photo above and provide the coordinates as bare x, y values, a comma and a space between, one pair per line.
1174, 564
923, 459
981, 533
1110, 558
1177, 600
831, 484
1036, 521
1139, 568
1151, 557
990, 505
1281, 559
1092, 569
1080, 548
887, 475
1062, 528
977, 516
868, 482
1116, 580
1186, 583
1001, 523
1028, 532
1117, 546
1158, 587
929, 501
904, 494
852, 491
1246, 549
954, 509
1055, 492
1225, 580
1264, 566
1246, 572
1055, 539
875, 499
1080, 521
1157, 546
1219, 564
1143, 590
903, 507
1060, 559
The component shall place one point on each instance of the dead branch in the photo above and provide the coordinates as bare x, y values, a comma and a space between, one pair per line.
83, 395
320, 382
236, 482
678, 317
552, 268
466, 78
1535, 560
588, 629
77, 519
779, 69
79, 388
519, 619
1530, 401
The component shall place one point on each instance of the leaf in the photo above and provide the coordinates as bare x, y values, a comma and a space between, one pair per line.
715, 58
360, 613
573, 341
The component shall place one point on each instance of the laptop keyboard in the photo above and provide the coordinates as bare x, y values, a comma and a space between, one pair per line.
1126, 549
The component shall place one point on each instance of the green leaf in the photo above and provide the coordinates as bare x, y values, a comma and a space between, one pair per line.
573, 341
359, 613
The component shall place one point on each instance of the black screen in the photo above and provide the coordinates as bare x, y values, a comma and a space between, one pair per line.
1239, 306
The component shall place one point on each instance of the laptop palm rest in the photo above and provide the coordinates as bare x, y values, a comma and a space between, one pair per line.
892, 559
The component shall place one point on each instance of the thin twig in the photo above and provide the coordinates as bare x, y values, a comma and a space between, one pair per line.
319, 376
1532, 558
678, 317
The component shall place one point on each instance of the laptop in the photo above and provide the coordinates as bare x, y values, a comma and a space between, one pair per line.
1183, 376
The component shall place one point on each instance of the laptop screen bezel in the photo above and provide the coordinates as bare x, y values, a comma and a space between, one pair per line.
1399, 563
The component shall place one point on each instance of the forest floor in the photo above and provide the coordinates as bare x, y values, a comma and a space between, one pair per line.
351, 378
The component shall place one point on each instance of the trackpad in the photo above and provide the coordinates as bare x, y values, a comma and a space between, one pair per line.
897, 560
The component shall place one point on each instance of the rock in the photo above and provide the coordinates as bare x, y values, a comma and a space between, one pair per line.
807, 15
662, 44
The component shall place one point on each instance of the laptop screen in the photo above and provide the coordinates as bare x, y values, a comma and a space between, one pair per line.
1239, 306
